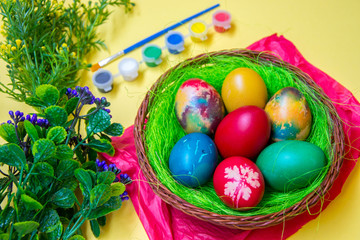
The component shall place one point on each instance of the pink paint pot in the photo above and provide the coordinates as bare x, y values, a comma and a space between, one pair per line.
221, 20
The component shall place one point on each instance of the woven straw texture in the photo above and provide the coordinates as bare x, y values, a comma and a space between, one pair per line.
239, 222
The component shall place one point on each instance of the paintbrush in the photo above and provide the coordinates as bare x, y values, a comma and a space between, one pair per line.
108, 60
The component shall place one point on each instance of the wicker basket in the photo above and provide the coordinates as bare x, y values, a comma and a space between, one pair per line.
239, 222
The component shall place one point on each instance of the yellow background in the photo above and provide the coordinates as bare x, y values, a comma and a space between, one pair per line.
326, 32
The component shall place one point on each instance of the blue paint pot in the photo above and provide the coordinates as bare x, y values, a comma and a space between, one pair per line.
103, 80
174, 42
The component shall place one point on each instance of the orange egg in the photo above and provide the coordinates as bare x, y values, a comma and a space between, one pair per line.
241, 87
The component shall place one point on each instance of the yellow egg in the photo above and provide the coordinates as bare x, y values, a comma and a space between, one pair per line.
241, 87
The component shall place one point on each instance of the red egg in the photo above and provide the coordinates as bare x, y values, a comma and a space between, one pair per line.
243, 132
239, 183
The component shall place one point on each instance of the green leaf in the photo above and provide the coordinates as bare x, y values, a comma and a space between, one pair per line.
64, 198
105, 177
92, 175
77, 237
17, 154
71, 104
101, 145
7, 132
12, 155
104, 136
66, 168
115, 129
4, 183
80, 155
6, 217
102, 221
57, 134
71, 184
52, 161
4, 236
84, 178
90, 165
44, 172
64, 152
113, 204
21, 130
31, 130
117, 189
35, 102
56, 115
98, 122
30, 203
43, 149
49, 220
95, 228
99, 195
24, 228
92, 155
48, 93
56, 234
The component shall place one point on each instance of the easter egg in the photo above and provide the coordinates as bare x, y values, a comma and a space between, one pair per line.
239, 183
193, 159
243, 132
198, 107
290, 115
290, 164
241, 87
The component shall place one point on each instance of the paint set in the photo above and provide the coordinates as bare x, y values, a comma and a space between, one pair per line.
151, 53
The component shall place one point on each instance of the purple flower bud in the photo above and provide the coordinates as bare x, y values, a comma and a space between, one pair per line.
11, 113
9, 122
110, 115
106, 168
17, 113
34, 118
98, 162
68, 91
74, 92
28, 117
22, 119
86, 88
21, 114
107, 110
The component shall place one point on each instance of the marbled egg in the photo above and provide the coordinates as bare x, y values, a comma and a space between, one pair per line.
289, 114
198, 107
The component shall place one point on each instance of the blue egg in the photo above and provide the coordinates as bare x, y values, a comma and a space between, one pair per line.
193, 159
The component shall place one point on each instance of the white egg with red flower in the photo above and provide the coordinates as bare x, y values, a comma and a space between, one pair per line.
239, 183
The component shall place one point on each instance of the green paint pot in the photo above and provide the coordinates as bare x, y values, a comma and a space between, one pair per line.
151, 54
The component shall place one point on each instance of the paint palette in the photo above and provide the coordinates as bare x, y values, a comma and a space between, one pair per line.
174, 43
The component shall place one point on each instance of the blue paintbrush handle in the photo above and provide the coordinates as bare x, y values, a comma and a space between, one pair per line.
156, 35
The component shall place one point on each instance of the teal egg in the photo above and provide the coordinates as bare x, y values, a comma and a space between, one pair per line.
290, 164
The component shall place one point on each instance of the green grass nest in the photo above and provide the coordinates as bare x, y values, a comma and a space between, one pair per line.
163, 129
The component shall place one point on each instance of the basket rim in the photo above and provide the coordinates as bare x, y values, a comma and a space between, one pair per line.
232, 221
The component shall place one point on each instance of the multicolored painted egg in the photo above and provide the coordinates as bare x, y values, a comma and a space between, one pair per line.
291, 164
290, 115
243, 132
239, 183
198, 107
242, 87
193, 159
